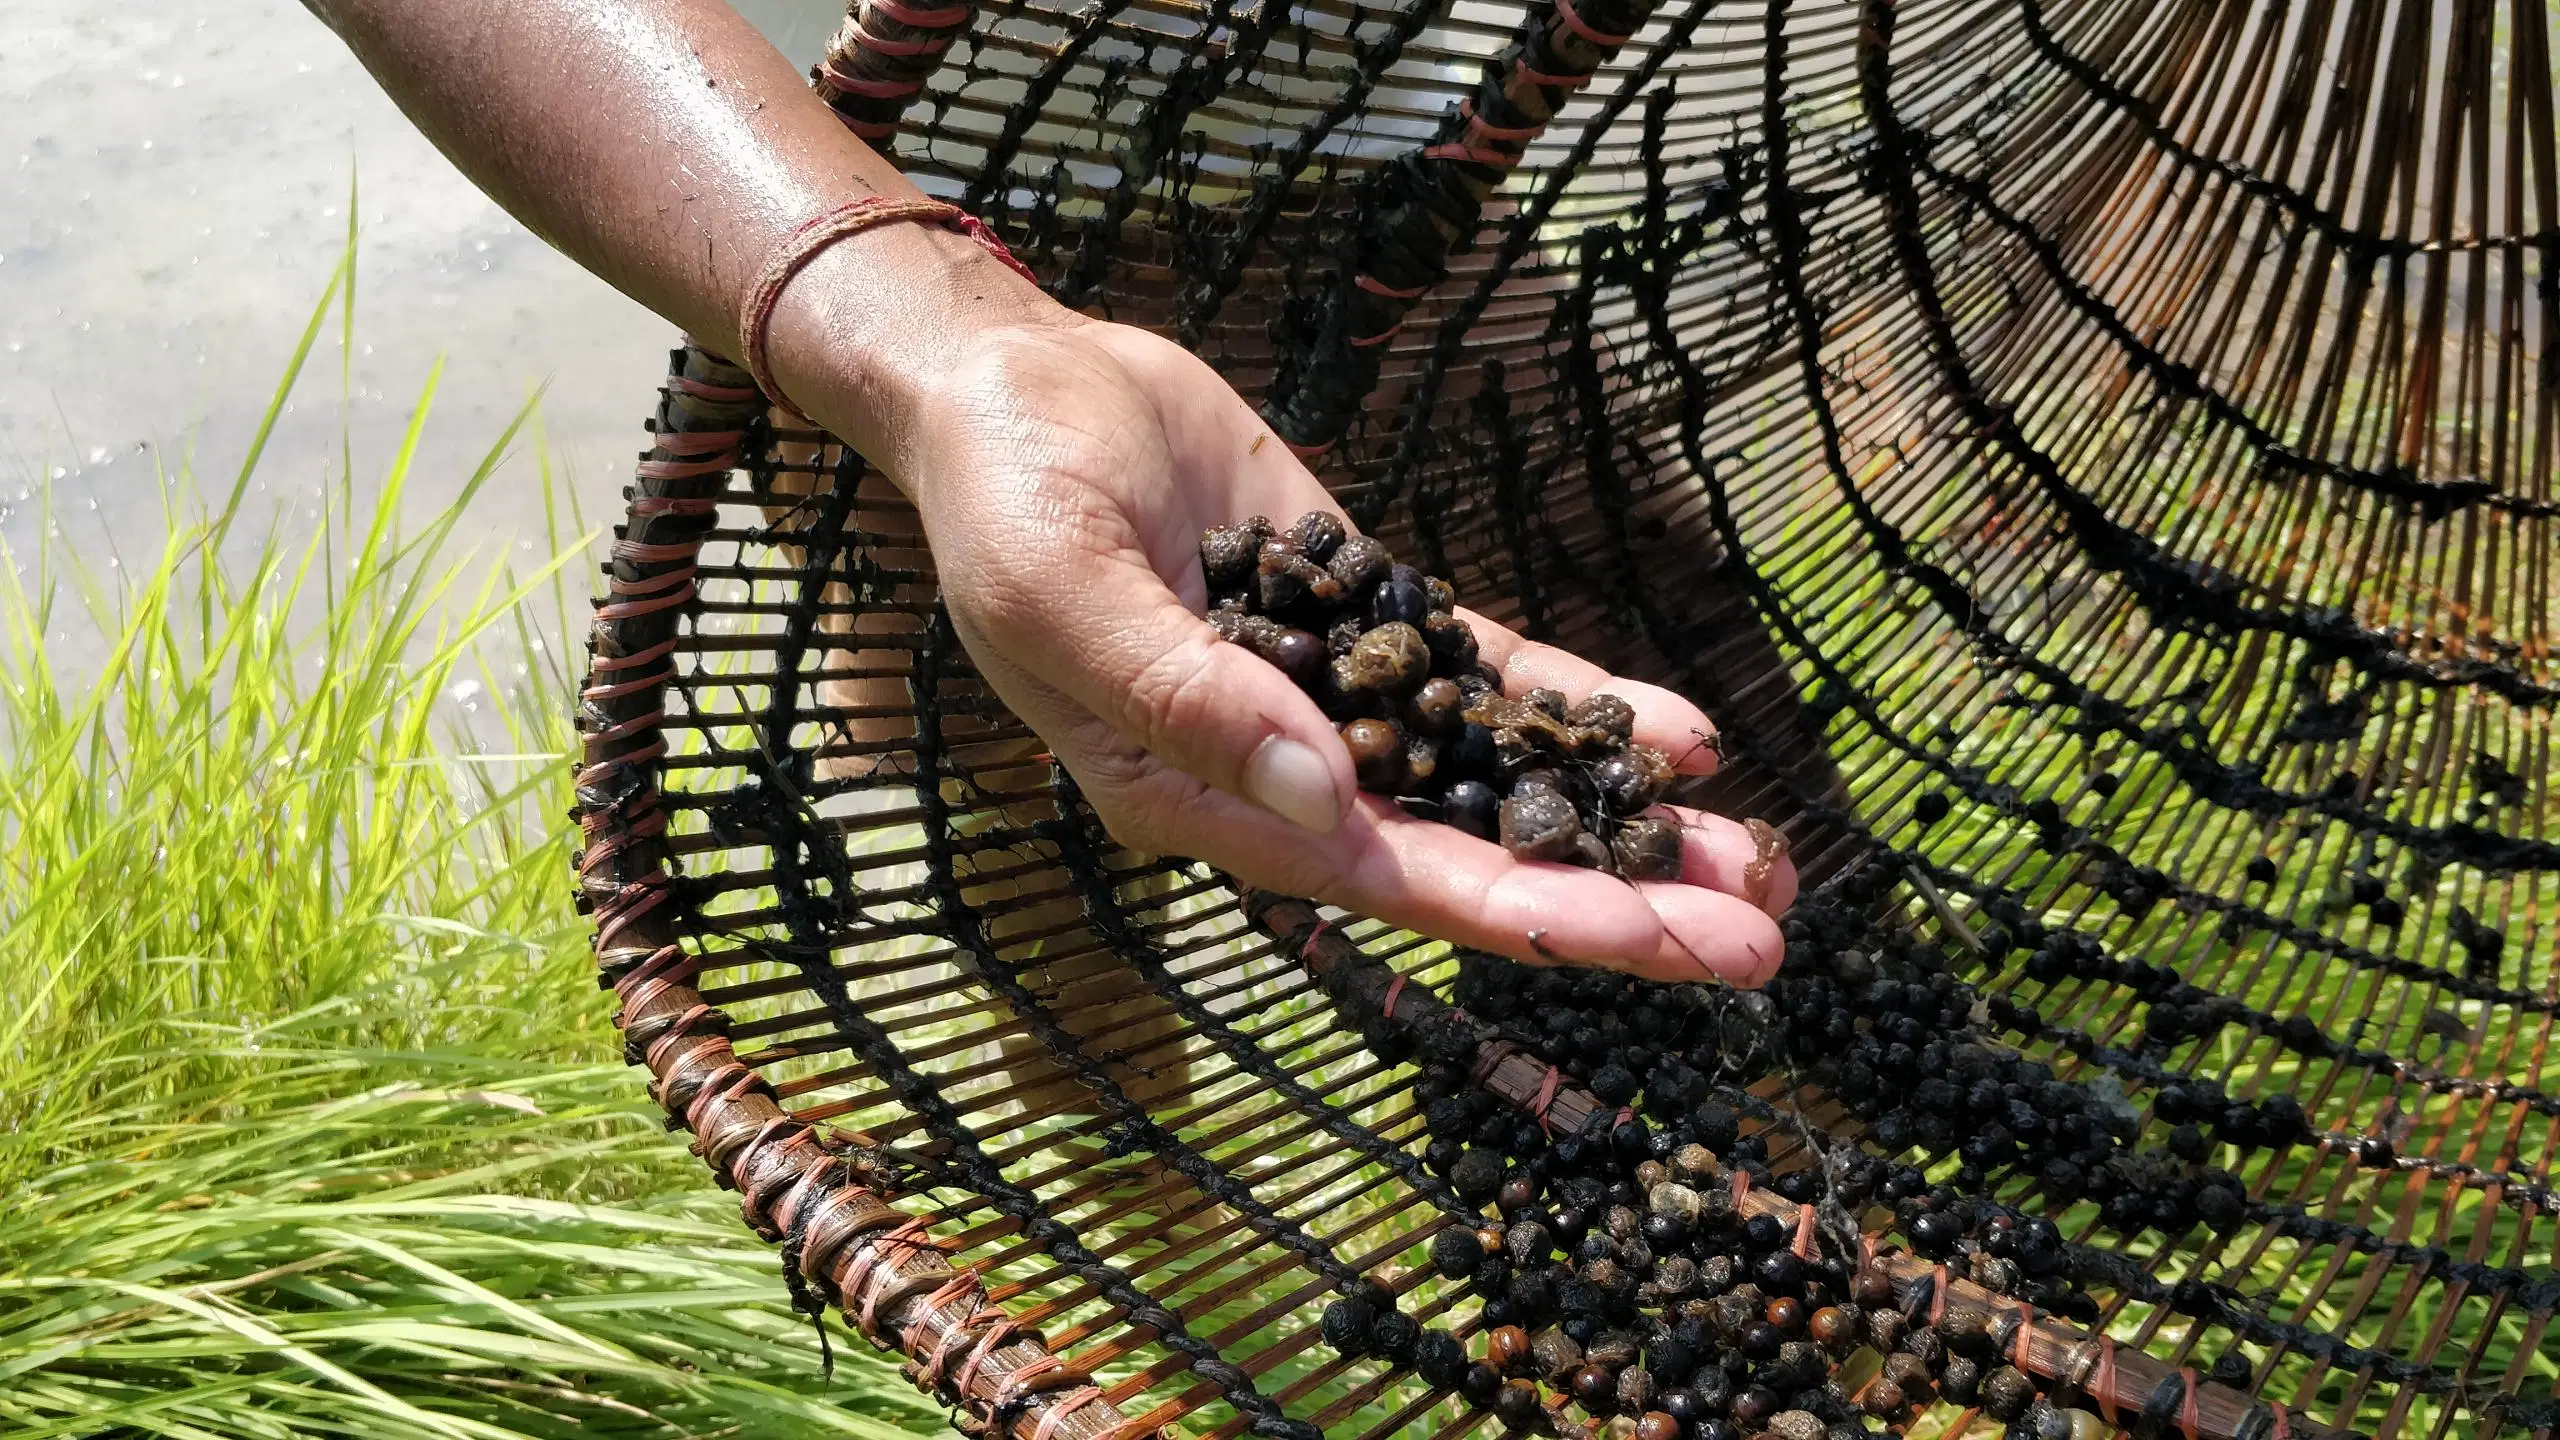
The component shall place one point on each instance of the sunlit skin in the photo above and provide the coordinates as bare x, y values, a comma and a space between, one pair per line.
1064, 468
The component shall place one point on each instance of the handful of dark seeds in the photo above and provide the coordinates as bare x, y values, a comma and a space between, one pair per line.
1380, 648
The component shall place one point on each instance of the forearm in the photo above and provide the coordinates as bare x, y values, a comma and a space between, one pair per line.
664, 145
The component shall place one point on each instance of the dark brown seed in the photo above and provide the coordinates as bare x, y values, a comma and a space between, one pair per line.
1993, 1274
1795, 1425
1551, 701
1359, 564
1540, 825
1545, 778
1787, 1313
1635, 1390
1594, 1386
1228, 554
1592, 853
2007, 1393
1632, 779
1443, 595
1908, 1371
1390, 660
1318, 534
1615, 1349
1507, 1347
1286, 580
1966, 1327
1875, 1286
1884, 1328
1556, 1356
1453, 644
1654, 1425
1883, 1400
1377, 754
1604, 712
1298, 654
1254, 632
1436, 707
1517, 1403
1831, 1327
1648, 849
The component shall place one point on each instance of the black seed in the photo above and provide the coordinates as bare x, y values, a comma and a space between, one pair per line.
1471, 806
1477, 1177
1318, 534
1440, 1360
1455, 1253
1400, 599
1346, 1325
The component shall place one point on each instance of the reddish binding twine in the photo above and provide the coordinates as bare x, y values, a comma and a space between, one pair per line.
1546, 1096
2106, 1382
1583, 28
1307, 948
795, 250
1395, 988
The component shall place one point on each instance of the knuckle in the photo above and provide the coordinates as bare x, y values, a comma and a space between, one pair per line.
1174, 693
1116, 786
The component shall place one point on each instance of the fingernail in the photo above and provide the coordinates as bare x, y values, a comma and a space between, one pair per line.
1293, 782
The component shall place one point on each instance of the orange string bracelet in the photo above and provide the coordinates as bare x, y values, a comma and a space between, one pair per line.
794, 251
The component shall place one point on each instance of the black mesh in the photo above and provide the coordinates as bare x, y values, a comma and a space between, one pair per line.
2093, 461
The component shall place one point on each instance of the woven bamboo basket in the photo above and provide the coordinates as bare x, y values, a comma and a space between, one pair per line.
2092, 458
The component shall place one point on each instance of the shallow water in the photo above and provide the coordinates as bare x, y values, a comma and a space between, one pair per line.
173, 196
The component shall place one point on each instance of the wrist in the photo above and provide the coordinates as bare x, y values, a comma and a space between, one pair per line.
864, 338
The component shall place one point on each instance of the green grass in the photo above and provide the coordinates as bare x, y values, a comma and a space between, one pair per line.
311, 1119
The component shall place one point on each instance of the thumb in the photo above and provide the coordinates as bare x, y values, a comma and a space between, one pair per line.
1111, 635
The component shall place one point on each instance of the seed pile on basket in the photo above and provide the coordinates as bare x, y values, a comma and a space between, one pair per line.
1620, 1277
1623, 1288
1379, 646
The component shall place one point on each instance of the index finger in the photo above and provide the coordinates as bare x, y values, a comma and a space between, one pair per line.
1663, 720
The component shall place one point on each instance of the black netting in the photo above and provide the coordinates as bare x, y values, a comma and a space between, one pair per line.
2092, 460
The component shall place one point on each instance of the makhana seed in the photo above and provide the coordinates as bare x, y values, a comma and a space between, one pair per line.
1379, 647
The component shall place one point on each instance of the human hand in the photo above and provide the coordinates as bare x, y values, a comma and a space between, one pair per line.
1064, 470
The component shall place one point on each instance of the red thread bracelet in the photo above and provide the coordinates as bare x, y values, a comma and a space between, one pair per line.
795, 250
